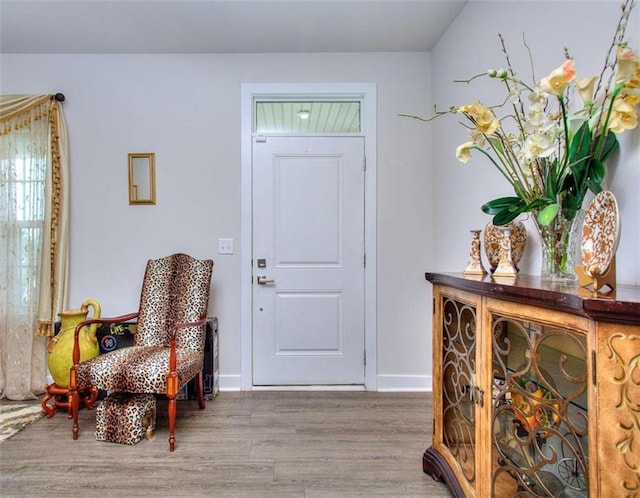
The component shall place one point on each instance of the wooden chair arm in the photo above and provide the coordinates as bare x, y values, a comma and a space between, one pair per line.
74, 398
76, 343
201, 321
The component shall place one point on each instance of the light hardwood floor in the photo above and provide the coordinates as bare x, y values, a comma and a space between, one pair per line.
258, 444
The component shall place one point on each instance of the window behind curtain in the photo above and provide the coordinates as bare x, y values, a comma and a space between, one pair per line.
22, 198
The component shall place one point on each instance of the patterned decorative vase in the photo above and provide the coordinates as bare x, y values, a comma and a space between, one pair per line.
492, 237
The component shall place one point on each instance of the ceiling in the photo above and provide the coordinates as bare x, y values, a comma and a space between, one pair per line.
223, 26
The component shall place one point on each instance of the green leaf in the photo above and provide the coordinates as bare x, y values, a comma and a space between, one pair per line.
537, 204
596, 171
596, 188
571, 201
547, 215
497, 144
505, 216
579, 168
579, 146
550, 182
496, 205
610, 145
504, 209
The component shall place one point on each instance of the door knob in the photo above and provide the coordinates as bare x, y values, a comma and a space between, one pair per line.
263, 280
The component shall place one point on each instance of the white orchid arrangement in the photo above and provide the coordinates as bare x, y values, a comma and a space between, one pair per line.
551, 154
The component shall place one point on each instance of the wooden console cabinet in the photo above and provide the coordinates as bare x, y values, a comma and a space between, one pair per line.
536, 388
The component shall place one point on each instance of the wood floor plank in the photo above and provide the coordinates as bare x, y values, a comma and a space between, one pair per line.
249, 444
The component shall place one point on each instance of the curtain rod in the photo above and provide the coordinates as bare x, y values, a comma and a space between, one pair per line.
59, 97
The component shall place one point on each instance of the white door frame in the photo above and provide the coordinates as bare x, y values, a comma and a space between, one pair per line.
367, 93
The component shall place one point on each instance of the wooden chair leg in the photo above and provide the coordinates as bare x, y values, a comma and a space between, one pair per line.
200, 391
74, 400
172, 423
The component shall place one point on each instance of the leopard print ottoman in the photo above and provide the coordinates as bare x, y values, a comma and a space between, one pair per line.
126, 418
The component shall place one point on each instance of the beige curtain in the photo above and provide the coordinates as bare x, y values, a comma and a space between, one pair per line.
34, 237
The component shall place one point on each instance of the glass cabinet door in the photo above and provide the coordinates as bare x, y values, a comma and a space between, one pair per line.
459, 384
540, 412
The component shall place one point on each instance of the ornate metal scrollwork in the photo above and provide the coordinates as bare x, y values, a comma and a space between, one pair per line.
459, 389
539, 416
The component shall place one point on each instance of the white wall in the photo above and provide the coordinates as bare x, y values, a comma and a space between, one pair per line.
186, 109
471, 46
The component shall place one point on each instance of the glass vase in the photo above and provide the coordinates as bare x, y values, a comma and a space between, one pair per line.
560, 242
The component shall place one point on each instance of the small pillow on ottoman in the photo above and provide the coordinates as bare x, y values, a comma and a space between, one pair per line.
126, 418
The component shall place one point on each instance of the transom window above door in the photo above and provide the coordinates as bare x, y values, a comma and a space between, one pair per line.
308, 117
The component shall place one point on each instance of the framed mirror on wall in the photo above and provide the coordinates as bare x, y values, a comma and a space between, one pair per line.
142, 178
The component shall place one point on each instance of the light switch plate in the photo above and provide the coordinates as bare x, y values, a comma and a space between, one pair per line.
225, 246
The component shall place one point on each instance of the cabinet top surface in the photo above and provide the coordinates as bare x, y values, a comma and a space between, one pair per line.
619, 305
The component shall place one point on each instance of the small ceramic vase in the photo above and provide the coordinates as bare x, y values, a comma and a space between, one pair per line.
474, 267
505, 267
493, 235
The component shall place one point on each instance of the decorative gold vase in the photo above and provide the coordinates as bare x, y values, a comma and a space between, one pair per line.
492, 242
60, 350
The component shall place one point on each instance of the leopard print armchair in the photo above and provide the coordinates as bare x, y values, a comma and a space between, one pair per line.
168, 348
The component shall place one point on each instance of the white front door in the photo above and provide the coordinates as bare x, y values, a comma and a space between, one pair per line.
308, 261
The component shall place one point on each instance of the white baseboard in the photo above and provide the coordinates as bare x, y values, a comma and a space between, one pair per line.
405, 383
311, 388
388, 383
